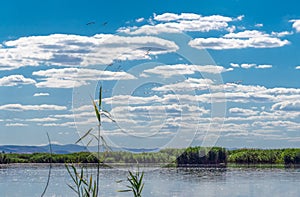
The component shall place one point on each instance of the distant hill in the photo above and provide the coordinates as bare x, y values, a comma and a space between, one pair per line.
61, 149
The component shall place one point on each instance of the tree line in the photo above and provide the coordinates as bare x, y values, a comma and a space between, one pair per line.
178, 157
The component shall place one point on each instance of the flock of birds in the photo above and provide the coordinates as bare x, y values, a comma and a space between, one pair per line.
147, 52
93, 23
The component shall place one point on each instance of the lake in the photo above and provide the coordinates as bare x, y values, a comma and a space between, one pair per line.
29, 180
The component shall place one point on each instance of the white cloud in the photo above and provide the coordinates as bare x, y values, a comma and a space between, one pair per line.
264, 66
296, 24
256, 33
259, 25
48, 119
66, 124
287, 106
139, 20
75, 77
125, 99
184, 69
297, 67
190, 83
231, 28
278, 123
247, 66
242, 112
238, 93
235, 43
15, 125
246, 34
185, 22
190, 16
165, 113
19, 107
234, 65
174, 17
41, 94
239, 18
14, 80
282, 34
76, 50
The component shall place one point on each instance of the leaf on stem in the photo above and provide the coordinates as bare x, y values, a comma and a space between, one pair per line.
86, 134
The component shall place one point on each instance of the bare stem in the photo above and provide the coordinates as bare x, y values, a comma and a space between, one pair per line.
98, 154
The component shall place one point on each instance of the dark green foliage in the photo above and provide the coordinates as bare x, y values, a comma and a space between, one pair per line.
256, 156
291, 156
194, 156
82, 157
4, 159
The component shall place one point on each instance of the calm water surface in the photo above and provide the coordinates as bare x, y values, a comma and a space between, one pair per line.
29, 180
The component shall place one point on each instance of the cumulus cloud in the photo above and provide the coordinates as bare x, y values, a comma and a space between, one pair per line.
190, 83
277, 123
125, 99
184, 69
190, 16
246, 34
156, 113
263, 66
139, 20
247, 66
234, 65
282, 34
75, 77
287, 106
240, 40
41, 94
167, 112
184, 22
16, 125
76, 50
47, 119
296, 24
242, 111
236, 93
14, 80
259, 25
20, 107
236, 43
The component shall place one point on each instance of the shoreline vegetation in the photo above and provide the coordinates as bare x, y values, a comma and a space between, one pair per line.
190, 157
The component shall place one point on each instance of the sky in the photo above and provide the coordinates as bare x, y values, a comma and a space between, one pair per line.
174, 73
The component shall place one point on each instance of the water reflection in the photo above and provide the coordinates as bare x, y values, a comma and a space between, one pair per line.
29, 180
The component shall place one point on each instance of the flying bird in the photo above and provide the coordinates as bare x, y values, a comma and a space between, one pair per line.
147, 52
238, 82
91, 23
105, 23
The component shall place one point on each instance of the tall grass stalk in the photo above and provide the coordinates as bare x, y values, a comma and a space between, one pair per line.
50, 167
136, 184
86, 186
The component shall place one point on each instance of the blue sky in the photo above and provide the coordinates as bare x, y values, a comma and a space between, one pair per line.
174, 73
